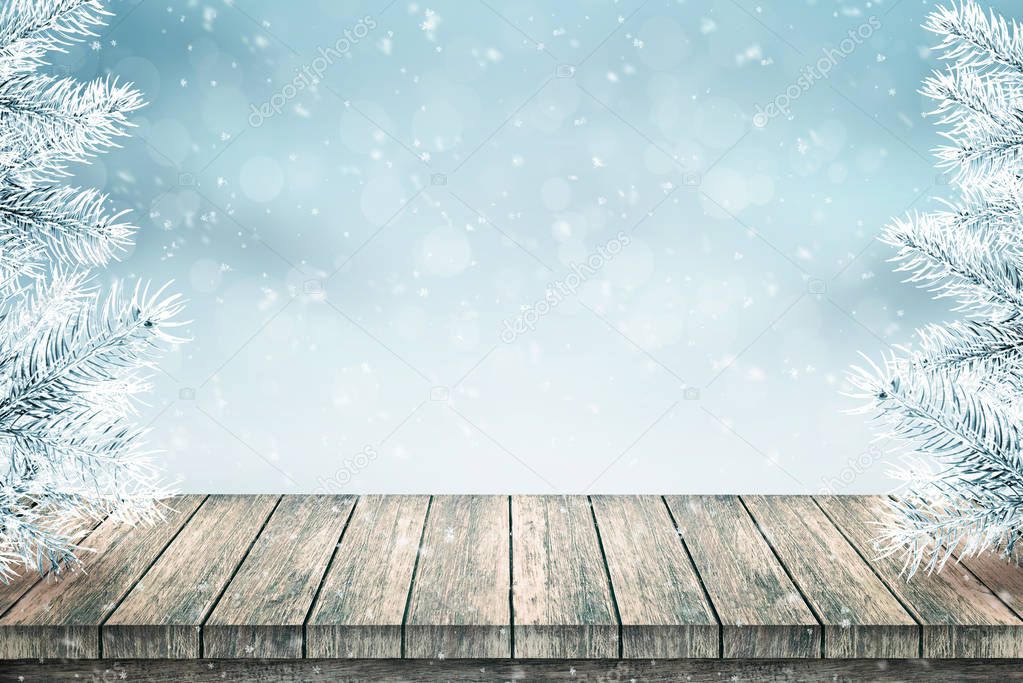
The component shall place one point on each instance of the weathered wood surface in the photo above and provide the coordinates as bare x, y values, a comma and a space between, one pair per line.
959, 616
17, 586
1003, 579
460, 604
262, 613
762, 613
380, 581
162, 616
62, 618
861, 617
361, 606
664, 610
560, 590
491, 670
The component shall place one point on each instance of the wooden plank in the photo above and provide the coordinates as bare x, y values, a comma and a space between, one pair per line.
62, 618
263, 609
762, 613
460, 600
561, 594
475, 671
958, 615
861, 616
360, 609
1003, 577
12, 591
663, 609
162, 616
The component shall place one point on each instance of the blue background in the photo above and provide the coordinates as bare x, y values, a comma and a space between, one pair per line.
351, 261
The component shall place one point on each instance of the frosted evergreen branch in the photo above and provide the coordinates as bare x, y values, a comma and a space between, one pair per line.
58, 224
968, 101
936, 415
73, 361
951, 517
995, 205
33, 541
972, 503
97, 344
31, 28
974, 267
988, 349
974, 38
52, 122
36, 308
981, 154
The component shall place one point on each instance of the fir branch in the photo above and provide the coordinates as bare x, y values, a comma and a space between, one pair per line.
974, 38
52, 122
948, 517
995, 204
974, 267
97, 344
982, 348
936, 415
981, 154
31, 28
73, 362
58, 224
968, 101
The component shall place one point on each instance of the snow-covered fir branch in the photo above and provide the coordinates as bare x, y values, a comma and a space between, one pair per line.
56, 223
955, 400
74, 359
50, 123
972, 37
31, 28
974, 266
976, 348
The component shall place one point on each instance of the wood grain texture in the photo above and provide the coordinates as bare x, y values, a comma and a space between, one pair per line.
459, 605
554, 578
560, 588
488, 670
1002, 577
27, 577
861, 616
762, 613
361, 605
263, 609
663, 609
62, 618
162, 616
958, 615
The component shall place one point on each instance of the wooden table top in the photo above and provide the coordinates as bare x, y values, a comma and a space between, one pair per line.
497, 577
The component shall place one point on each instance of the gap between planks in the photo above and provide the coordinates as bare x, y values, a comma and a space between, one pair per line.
326, 572
142, 574
234, 573
412, 579
788, 572
699, 578
894, 594
607, 572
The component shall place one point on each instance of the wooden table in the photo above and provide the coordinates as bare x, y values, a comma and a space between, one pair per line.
496, 587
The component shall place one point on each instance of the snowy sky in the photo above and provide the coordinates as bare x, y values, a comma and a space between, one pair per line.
499, 247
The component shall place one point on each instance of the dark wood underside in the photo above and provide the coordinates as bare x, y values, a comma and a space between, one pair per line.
489, 671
